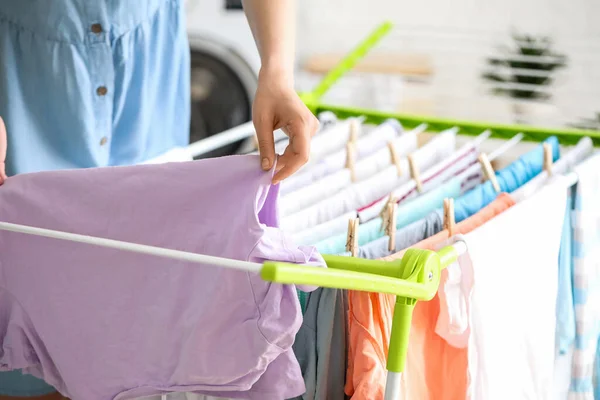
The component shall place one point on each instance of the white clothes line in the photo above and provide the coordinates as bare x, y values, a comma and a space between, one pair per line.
134, 247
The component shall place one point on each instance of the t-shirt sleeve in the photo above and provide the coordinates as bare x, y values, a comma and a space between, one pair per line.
275, 245
455, 296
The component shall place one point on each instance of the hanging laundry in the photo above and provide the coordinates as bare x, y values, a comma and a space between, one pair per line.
514, 315
364, 192
563, 165
586, 279
565, 308
430, 358
158, 325
322, 231
510, 179
411, 211
320, 344
439, 173
405, 237
320, 186
565, 313
365, 146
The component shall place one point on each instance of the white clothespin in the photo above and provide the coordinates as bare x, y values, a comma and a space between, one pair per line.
548, 159
351, 160
449, 222
414, 172
394, 157
352, 239
390, 224
488, 171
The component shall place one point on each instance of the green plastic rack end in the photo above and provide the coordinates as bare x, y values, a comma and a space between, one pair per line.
415, 276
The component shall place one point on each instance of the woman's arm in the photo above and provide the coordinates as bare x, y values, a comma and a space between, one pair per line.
273, 25
276, 104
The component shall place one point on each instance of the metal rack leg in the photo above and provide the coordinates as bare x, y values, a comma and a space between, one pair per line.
392, 386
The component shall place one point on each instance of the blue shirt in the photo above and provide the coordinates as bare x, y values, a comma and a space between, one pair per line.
510, 179
86, 83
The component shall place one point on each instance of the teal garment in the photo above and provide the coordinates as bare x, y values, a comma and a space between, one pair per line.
20, 385
303, 299
321, 344
510, 179
421, 206
409, 212
565, 305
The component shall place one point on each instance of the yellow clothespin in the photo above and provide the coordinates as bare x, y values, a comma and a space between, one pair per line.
449, 221
390, 224
354, 127
414, 172
394, 157
351, 160
548, 160
352, 239
488, 171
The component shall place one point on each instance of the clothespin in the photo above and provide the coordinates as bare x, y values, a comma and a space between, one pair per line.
449, 221
488, 171
255, 141
390, 224
352, 239
394, 157
548, 160
354, 127
414, 172
383, 212
351, 160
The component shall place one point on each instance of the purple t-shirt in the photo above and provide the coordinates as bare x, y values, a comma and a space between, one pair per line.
100, 323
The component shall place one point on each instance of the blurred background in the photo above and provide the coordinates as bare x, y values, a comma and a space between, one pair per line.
531, 62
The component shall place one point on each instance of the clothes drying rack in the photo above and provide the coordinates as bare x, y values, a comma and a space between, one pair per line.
415, 277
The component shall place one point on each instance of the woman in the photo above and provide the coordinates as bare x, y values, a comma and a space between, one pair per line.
87, 83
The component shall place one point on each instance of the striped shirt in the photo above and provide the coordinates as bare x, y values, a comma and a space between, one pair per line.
586, 277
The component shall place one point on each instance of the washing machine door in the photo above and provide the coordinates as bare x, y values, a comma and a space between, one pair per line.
221, 97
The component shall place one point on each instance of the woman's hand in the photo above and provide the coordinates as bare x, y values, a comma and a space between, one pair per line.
277, 106
3, 146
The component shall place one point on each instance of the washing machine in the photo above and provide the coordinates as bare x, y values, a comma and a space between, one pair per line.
224, 69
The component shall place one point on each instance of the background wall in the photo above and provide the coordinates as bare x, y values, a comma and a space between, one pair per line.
454, 38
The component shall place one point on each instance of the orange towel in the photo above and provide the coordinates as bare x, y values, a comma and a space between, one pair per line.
434, 369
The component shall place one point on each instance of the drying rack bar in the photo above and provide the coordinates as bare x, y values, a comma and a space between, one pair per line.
342, 272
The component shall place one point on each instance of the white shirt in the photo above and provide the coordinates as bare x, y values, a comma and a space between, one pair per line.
362, 193
323, 164
310, 193
322, 231
513, 305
